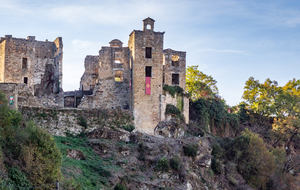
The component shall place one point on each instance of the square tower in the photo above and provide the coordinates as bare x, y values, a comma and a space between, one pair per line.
146, 50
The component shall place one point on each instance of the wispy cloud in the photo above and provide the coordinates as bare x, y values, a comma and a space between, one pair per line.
224, 51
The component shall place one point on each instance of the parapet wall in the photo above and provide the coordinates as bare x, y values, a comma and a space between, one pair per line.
22, 96
64, 121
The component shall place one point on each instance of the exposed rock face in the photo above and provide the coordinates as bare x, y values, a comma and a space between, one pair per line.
169, 129
75, 154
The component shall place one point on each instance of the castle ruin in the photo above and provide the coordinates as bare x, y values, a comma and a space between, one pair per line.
129, 78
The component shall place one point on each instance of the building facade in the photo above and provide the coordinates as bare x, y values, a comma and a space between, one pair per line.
31, 67
133, 77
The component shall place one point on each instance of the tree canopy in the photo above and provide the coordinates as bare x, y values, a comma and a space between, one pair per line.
199, 84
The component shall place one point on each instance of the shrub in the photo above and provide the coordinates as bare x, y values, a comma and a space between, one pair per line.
142, 148
119, 187
190, 150
175, 162
257, 163
18, 178
173, 90
82, 121
129, 127
243, 113
172, 110
163, 165
216, 166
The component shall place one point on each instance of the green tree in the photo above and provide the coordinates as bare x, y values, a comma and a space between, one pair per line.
27, 148
199, 84
261, 96
283, 103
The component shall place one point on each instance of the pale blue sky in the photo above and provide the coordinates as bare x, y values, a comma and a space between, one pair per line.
229, 39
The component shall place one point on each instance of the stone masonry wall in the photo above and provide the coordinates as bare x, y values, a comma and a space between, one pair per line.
2, 51
22, 96
181, 102
169, 69
90, 76
44, 63
107, 92
72, 121
146, 107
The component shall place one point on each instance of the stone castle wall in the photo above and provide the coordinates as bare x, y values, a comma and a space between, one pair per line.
102, 71
64, 121
2, 60
146, 108
22, 96
181, 102
90, 76
43, 66
170, 69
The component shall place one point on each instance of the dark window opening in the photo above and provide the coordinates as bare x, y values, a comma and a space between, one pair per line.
175, 63
175, 79
148, 71
25, 80
148, 52
24, 63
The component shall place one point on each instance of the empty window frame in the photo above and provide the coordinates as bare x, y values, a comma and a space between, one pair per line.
119, 76
148, 52
148, 71
175, 79
175, 60
24, 63
25, 80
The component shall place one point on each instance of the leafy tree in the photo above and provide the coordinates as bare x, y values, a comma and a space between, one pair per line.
261, 96
256, 162
269, 99
29, 152
199, 84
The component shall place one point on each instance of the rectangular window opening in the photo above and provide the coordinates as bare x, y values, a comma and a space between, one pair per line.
119, 76
175, 63
148, 52
24, 63
25, 80
175, 79
148, 71
118, 61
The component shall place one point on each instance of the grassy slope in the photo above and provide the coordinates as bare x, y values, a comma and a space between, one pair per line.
90, 172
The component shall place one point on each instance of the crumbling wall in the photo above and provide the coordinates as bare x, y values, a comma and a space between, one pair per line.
37, 55
174, 63
90, 75
75, 121
22, 96
107, 91
180, 101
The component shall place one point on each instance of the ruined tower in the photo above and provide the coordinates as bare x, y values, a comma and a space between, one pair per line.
146, 48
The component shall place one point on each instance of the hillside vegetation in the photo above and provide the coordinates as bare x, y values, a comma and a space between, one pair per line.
254, 145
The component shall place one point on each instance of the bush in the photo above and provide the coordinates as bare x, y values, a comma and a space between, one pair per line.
173, 90
190, 150
82, 121
18, 178
257, 163
216, 166
175, 162
172, 110
119, 187
142, 148
163, 165
129, 127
